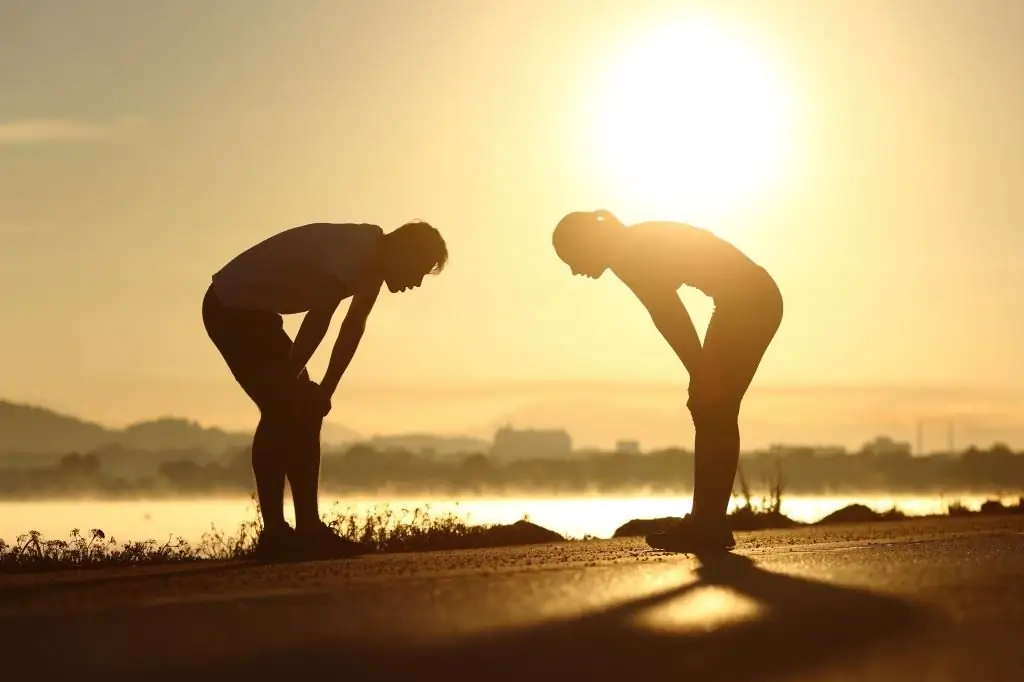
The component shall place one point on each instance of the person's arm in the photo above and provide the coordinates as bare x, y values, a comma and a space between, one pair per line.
352, 328
673, 321
311, 333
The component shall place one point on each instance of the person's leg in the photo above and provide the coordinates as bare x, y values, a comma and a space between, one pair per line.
269, 452
737, 337
255, 346
303, 464
291, 449
716, 456
735, 342
317, 539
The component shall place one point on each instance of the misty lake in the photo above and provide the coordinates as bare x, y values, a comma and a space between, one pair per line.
574, 516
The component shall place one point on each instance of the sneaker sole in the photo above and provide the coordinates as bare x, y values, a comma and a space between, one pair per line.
667, 545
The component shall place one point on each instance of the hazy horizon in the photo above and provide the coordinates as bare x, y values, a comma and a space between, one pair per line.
868, 154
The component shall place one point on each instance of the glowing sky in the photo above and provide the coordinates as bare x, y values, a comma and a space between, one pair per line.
869, 154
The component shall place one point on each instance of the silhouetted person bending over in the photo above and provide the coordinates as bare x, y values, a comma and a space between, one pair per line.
654, 259
308, 269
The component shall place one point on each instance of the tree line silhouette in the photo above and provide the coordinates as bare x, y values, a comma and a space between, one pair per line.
365, 469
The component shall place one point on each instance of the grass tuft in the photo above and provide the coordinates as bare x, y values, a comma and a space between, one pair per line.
32, 552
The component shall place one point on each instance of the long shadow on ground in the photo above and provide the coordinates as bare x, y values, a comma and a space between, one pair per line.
804, 625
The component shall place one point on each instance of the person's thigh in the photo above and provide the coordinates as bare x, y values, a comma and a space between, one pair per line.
255, 347
737, 337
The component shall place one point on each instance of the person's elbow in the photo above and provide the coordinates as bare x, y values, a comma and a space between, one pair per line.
319, 318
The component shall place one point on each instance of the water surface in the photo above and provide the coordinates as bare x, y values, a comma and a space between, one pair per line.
570, 515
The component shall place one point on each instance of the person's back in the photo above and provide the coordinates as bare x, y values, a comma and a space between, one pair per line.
288, 272
676, 254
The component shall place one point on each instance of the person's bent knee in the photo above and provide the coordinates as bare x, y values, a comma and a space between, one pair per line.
288, 420
276, 424
714, 416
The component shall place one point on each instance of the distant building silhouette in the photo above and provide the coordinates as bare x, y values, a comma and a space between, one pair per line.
883, 446
511, 444
805, 451
628, 447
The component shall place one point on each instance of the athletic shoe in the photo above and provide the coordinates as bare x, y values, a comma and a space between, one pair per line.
323, 543
690, 536
276, 544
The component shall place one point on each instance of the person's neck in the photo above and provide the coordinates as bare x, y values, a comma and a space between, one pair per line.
617, 237
616, 246
384, 256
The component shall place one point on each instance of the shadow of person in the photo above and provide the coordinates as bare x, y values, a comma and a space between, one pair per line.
800, 625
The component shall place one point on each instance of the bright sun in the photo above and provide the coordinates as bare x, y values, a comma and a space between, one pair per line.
690, 122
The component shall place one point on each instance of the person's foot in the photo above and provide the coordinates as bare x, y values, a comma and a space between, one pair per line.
320, 542
690, 536
276, 543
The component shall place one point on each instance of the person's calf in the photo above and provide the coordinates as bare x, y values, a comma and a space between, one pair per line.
716, 458
304, 469
269, 453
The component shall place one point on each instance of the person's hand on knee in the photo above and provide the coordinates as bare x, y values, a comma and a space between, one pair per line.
314, 399
322, 401
300, 396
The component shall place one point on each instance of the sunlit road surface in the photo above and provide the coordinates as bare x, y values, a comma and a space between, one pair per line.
905, 601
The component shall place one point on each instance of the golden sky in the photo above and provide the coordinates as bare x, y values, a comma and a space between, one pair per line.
868, 153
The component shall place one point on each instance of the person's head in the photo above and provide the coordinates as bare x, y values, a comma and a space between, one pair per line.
584, 239
412, 252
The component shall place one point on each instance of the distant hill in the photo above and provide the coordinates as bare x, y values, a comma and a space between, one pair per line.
29, 430
336, 434
171, 433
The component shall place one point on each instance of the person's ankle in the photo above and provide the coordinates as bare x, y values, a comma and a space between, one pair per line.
705, 520
305, 526
276, 526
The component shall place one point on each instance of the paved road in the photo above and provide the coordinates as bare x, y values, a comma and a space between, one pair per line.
905, 601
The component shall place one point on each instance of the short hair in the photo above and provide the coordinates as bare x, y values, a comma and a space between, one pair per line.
423, 237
